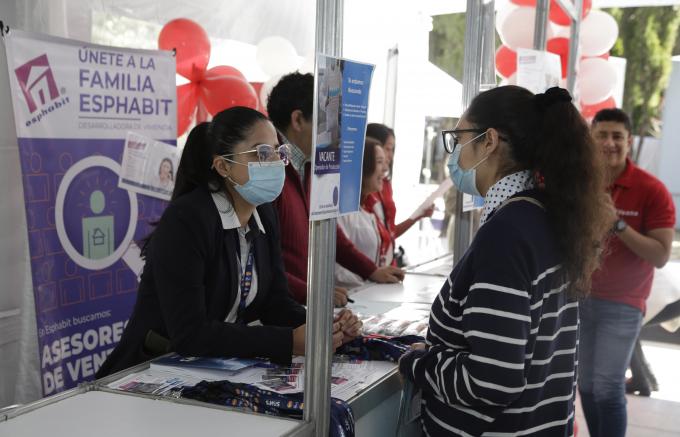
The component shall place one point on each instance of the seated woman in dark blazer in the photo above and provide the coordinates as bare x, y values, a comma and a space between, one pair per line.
214, 264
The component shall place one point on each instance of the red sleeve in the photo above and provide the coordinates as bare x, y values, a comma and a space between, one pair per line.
659, 209
350, 258
387, 198
298, 288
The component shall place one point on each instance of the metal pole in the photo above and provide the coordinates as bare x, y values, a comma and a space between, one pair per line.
568, 7
321, 261
462, 231
488, 78
541, 24
574, 48
389, 112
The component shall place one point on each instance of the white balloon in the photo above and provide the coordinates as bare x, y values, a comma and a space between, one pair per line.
596, 80
516, 28
599, 31
267, 88
276, 55
307, 65
502, 11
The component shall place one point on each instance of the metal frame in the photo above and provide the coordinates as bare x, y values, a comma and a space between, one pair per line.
321, 261
541, 24
478, 62
575, 12
574, 53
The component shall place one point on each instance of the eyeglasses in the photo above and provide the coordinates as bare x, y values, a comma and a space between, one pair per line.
450, 137
265, 153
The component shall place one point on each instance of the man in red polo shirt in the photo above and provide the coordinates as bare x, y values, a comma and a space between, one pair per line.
290, 109
643, 217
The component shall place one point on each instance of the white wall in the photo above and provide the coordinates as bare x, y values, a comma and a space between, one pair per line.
670, 139
371, 29
19, 373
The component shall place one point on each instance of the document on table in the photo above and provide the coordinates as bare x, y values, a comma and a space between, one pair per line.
414, 289
348, 377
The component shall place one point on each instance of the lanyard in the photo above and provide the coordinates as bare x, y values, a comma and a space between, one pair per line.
246, 283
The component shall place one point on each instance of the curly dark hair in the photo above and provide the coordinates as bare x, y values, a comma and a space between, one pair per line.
547, 135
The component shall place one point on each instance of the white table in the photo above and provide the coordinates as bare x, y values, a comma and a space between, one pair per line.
105, 414
91, 410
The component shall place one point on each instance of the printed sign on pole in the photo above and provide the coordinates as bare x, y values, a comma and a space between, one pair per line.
342, 106
538, 70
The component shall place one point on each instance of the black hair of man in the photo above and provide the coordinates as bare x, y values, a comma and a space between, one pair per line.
616, 115
295, 91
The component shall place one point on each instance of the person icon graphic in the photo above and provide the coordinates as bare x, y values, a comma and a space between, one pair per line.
97, 230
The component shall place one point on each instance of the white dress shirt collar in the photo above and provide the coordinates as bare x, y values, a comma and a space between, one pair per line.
228, 213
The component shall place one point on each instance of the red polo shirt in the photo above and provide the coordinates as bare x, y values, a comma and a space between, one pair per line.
645, 204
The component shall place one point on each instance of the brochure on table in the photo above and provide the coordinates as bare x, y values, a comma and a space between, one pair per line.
167, 375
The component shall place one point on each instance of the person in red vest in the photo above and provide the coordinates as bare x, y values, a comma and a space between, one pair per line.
365, 227
290, 109
642, 217
383, 201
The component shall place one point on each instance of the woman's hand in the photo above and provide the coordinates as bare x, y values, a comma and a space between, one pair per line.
414, 347
299, 340
387, 275
340, 297
427, 212
349, 325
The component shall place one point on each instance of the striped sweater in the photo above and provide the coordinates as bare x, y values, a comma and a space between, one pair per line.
501, 356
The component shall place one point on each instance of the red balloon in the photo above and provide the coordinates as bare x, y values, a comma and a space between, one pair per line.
219, 93
558, 16
589, 111
201, 112
187, 97
560, 46
506, 61
191, 44
224, 70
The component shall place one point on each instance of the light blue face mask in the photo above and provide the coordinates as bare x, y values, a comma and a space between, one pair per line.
265, 182
464, 180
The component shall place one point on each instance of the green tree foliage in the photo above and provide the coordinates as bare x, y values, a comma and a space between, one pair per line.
447, 43
647, 37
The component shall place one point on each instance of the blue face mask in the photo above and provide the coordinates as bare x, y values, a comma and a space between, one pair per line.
464, 180
265, 182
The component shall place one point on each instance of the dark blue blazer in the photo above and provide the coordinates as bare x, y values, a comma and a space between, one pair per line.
190, 282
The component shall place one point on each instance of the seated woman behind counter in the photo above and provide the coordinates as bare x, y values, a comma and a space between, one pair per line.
367, 231
214, 264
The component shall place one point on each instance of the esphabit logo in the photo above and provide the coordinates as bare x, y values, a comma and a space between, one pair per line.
37, 83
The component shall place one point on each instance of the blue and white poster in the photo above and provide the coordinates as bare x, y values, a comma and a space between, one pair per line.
74, 103
342, 109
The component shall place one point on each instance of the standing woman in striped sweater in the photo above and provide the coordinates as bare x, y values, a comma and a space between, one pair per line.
501, 350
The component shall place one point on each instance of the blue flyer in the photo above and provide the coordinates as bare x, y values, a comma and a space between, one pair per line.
343, 88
